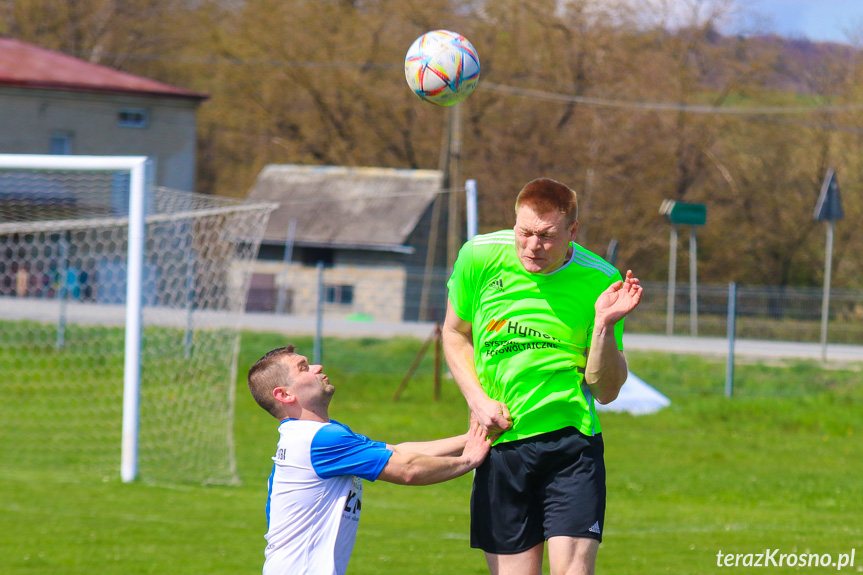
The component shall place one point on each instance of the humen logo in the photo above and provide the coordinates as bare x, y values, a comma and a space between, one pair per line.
513, 328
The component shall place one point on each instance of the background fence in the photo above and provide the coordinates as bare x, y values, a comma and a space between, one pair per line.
773, 313
778, 313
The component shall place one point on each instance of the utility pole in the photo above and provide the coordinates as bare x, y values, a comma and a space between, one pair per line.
453, 172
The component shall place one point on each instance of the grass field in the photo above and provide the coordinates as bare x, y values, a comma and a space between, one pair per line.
779, 466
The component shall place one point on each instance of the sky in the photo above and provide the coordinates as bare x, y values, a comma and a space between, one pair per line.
817, 20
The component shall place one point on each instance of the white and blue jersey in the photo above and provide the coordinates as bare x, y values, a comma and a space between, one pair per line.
315, 496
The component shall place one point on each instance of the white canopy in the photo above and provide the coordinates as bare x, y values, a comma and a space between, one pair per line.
636, 397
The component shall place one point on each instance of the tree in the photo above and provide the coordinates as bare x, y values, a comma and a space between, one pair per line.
569, 90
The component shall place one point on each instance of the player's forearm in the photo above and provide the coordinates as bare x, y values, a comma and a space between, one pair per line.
420, 469
437, 447
458, 350
606, 369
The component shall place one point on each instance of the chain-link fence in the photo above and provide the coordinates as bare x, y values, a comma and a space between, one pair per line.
392, 294
773, 313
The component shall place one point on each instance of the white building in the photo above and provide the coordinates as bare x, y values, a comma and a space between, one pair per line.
52, 103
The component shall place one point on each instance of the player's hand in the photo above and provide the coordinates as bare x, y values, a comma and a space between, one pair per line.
477, 444
493, 416
618, 300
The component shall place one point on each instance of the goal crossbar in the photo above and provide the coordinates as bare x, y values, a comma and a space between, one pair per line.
65, 225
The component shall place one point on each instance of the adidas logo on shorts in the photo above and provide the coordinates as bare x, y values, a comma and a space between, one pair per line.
594, 528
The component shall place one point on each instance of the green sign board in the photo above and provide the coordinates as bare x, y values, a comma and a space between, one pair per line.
684, 214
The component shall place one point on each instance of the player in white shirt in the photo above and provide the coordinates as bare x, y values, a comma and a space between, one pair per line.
315, 489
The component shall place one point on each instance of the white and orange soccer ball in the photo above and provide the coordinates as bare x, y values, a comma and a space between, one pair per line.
442, 67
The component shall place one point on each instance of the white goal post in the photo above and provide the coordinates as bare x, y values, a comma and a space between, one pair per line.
233, 227
137, 168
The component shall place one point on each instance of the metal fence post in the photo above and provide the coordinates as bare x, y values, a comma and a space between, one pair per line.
732, 314
693, 283
63, 290
672, 280
319, 316
287, 256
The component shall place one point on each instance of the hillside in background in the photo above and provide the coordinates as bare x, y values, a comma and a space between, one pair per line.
797, 63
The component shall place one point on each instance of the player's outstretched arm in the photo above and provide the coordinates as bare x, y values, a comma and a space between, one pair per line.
606, 369
438, 447
457, 336
421, 469
435, 448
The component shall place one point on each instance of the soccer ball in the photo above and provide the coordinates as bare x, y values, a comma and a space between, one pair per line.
442, 67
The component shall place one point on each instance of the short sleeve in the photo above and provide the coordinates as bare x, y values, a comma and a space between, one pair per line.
336, 450
462, 283
618, 327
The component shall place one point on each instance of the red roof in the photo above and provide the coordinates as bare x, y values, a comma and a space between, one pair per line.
23, 64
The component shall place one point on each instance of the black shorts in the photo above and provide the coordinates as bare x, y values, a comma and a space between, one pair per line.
544, 486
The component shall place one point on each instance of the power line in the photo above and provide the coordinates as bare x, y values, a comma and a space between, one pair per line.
524, 92
664, 106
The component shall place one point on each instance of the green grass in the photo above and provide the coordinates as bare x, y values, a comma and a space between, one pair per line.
777, 466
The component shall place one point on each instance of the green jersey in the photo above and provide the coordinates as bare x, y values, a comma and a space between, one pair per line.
531, 331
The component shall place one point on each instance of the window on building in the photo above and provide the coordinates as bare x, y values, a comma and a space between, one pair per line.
132, 118
339, 294
61, 144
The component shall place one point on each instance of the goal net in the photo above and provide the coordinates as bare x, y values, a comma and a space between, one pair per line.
64, 314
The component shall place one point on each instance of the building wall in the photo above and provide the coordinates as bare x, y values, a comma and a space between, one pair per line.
377, 290
29, 118
425, 290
